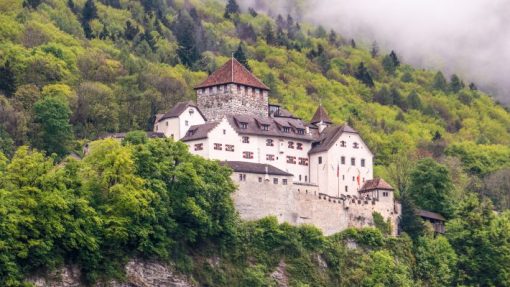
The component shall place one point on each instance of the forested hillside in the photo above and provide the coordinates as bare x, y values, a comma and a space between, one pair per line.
72, 70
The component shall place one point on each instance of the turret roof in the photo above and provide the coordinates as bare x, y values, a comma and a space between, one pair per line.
232, 72
321, 116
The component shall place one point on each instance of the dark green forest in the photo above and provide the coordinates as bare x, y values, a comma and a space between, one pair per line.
71, 71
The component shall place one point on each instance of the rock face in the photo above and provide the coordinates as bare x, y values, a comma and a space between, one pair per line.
138, 274
280, 275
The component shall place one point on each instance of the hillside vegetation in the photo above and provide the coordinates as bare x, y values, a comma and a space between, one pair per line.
73, 70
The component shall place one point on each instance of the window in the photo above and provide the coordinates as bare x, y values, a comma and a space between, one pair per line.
385, 193
353, 161
199, 146
242, 177
343, 144
346, 188
355, 145
275, 180
300, 131
291, 144
218, 146
269, 142
320, 159
291, 159
299, 146
299, 177
190, 132
246, 139
306, 178
265, 127
260, 179
342, 160
247, 154
362, 162
284, 181
191, 111
238, 88
229, 147
243, 125
286, 129
156, 127
343, 176
269, 157
224, 132
303, 161
353, 178
186, 123
166, 123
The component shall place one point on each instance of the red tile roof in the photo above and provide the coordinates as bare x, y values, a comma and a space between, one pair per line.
375, 184
232, 72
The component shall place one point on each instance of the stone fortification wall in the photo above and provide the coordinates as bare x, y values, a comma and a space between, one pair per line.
216, 102
255, 200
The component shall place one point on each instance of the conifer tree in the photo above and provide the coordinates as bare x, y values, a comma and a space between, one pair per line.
88, 13
269, 34
363, 75
456, 84
439, 82
414, 101
241, 56
231, 8
333, 38
353, 43
185, 32
7, 79
473, 87
389, 65
383, 96
280, 22
375, 50
394, 58
130, 31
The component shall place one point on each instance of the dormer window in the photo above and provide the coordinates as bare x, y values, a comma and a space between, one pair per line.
300, 131
264, 127
243, 125
269, 142
286, 129
343, 144
190, 132
355, 145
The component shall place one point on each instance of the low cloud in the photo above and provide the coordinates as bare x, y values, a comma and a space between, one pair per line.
468, 37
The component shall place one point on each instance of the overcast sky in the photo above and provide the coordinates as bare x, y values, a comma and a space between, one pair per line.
467, 37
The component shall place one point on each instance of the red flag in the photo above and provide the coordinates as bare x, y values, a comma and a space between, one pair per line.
358, 178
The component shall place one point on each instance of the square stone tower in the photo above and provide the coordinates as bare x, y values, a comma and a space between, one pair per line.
232, 89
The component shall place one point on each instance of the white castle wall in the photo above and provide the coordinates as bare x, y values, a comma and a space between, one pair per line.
255, 200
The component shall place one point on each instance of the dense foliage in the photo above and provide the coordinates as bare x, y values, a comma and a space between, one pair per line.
71, 70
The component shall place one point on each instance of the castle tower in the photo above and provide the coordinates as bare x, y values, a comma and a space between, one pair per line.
321, 118
232, 89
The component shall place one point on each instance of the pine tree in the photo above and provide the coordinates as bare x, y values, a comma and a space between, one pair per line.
185, 32
280, 22
410, 222
439, 82
394, 58
473, 87
31, 3
71, 5
241, 56
130, 31
332, 39
269, 34
7, 79
231, 8
437, 136
414, 101
383, 96
89, 11
456, 84
375, 50
389, 65
363, 75
353, 43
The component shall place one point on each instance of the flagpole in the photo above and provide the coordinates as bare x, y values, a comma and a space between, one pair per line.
338, 178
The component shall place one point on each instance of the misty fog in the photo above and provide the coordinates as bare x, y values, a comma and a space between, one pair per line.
468, 37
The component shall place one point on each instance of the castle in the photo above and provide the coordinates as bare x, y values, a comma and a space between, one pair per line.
301, 172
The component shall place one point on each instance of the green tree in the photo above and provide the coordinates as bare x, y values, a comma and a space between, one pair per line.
184, 30
414, 101
231, 8
436, 261
389, 65
363, 75
456, 84
410, 222
375, 50
7, 79
269, 34
241, 56
53, 133
439, 82
383, 96
431, 187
